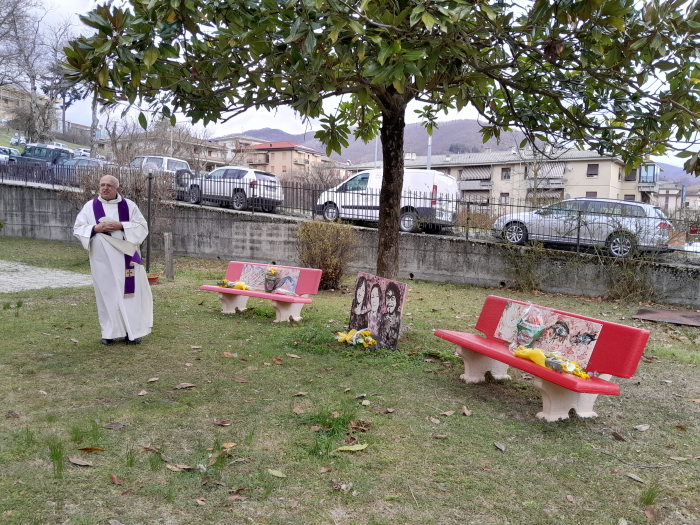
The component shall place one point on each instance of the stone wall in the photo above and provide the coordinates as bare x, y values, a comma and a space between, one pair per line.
40, 213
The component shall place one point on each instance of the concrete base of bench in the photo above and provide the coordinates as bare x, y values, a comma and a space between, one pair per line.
284, 311
557, 401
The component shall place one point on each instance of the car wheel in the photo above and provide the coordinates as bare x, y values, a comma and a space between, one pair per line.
408, 221
621, 244
515, 233
330, 212
239, 201
195, 195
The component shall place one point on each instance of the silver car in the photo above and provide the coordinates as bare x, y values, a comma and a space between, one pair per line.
621, 227
239, 187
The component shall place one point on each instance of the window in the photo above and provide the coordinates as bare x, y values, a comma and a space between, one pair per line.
174, 165
619, 174
217, 174
505, 173
358, 183
628, 197
592, 171
505, 198
592, 194
157, 161
272, 155
631, 176
284, 167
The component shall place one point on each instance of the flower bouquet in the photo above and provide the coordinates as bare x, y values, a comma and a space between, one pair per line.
238, 285
356, 337
271, 279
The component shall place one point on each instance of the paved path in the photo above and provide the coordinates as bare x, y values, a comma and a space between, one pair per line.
17, 277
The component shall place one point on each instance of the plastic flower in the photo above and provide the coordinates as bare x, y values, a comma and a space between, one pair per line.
272, 271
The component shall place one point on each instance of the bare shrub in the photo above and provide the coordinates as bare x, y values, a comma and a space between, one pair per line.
328, 246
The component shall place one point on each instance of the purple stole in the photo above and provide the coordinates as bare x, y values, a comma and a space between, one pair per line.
129, 272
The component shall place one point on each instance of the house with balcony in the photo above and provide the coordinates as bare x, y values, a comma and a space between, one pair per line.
238, 146
530, 177
291, 161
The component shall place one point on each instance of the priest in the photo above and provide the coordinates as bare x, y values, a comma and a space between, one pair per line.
111, 228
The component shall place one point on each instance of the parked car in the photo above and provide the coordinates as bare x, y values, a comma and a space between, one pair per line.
37, 161
621, 227
428, 200
81, 152
159, 163
239, 187
67, 171
18, 140
6, 152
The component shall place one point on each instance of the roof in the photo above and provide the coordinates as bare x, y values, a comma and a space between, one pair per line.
513, 156
238, 136
284, 145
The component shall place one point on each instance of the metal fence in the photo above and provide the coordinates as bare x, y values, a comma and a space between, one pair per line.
608, 227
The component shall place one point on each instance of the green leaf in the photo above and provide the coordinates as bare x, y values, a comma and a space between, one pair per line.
428, 20
352, 448
276, 473
150, 56
142, 120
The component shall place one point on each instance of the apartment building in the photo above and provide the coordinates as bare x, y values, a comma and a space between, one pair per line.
292, 161
526, 176
238, 147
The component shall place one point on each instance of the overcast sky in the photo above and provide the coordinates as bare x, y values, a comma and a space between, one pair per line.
282, 118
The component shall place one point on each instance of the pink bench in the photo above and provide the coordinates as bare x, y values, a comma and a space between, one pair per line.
616, 351
287, 306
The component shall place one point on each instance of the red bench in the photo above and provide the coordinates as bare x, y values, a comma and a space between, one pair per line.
287, 307
616, 351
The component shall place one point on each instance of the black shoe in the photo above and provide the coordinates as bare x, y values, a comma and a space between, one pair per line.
107, 342
136, 341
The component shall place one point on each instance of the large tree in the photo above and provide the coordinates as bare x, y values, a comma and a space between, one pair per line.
619, 76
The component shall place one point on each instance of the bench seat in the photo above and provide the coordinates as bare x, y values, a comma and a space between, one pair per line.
287, 307
616, 351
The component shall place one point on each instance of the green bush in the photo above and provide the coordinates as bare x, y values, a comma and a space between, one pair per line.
328, 246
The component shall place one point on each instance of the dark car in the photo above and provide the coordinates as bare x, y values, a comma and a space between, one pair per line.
37, 161
68, 171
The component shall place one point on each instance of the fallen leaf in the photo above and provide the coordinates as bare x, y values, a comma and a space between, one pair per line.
366, 403
618, 436
227, 446
43, 393
315, 428
228, 354
298, 410
651, 512
193, 347
222, 423
466, 411
142, 393
642, 428
325, 470
499, 446
433, 420
300, 394
201, 501
360, 396
188, 364
340, 485
173, 468
351, 440
569, 498
205, 480
636, 478
276, 473
278, 360
184, 385
234, 497
293, 356
448, 413
91, 449
348, 390
152, 380
681, 428
11, 414
115, 479
679, 458
239, 379
79, 462
114, 426
352, 448
184, 467
74, 341
439, 436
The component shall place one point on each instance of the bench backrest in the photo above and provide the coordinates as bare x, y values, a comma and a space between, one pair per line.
617, 350
309, 278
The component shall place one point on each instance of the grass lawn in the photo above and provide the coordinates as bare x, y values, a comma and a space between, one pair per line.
293, 395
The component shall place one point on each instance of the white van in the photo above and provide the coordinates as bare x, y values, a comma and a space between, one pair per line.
159, 163
429, 199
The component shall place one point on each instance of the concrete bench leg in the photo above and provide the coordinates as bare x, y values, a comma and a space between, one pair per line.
287, 311
231, 304
476, 365
557, 401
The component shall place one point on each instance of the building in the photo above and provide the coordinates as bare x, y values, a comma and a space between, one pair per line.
524, 176
237, 151
288, 160
13, 100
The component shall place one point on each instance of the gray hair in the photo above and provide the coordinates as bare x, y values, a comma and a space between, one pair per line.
114, 179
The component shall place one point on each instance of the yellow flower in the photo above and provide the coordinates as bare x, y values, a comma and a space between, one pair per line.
272, 271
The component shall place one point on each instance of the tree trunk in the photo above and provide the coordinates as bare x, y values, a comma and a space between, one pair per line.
93, 126
392, 134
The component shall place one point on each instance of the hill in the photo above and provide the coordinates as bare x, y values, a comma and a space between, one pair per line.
461, 135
